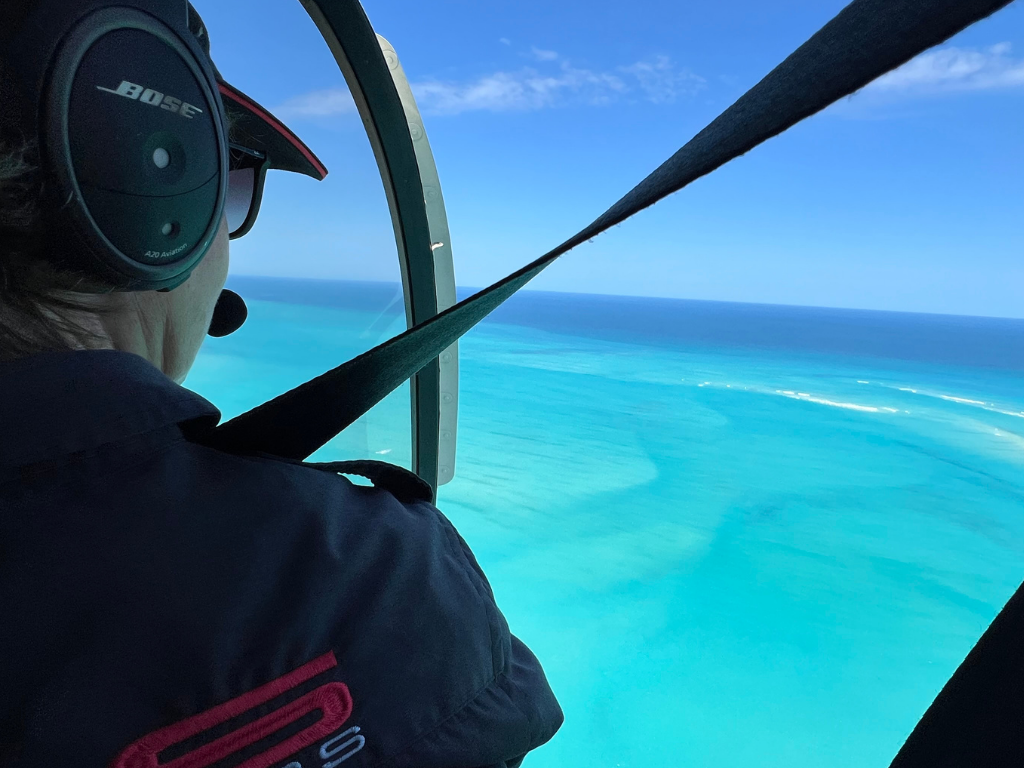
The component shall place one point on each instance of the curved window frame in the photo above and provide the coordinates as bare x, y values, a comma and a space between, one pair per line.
394, 126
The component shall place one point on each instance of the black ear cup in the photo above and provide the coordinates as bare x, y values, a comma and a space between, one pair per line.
145, 161
136, 140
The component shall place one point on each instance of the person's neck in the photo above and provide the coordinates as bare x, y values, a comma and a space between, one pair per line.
140, 326
123, 322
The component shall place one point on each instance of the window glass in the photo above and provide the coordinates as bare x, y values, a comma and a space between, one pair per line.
319, 271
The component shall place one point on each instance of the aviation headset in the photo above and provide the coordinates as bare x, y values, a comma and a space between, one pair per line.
131, 129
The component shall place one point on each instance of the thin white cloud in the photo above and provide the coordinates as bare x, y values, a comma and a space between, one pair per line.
954, 69
541, 55
324, 103
504, 41
526, 89
553, 82
661, 82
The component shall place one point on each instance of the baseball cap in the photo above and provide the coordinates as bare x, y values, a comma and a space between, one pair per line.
253, 125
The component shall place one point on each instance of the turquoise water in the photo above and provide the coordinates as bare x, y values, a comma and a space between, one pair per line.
734, 535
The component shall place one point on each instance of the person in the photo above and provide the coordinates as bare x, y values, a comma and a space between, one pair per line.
166, 602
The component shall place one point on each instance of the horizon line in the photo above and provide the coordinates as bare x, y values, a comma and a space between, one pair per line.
477, 289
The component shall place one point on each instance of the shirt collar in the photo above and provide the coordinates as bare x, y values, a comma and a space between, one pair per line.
57, 403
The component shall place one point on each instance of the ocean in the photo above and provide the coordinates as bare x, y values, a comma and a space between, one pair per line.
734, 534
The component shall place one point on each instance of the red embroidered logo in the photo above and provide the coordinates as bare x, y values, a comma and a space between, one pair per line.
332, 699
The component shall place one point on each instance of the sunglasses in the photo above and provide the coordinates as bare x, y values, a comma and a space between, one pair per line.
246, 175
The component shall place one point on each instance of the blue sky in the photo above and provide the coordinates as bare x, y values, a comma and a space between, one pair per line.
542, 113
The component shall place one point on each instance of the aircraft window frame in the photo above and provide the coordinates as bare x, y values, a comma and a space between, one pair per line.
393, 124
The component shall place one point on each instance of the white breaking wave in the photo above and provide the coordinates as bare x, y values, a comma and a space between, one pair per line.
1018, 414
983, 404
807, 397
822, 401
964, 400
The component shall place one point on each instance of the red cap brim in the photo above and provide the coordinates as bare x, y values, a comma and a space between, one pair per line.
253, 126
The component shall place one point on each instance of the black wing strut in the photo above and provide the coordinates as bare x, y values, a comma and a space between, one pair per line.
865, 40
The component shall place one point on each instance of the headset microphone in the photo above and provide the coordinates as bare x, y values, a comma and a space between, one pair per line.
228, 315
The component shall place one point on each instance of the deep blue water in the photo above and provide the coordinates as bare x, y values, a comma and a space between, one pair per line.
676, 323
735, 535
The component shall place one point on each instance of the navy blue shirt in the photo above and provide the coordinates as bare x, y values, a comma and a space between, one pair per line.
163, 602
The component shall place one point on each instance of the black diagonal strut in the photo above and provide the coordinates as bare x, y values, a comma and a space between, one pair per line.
865, 40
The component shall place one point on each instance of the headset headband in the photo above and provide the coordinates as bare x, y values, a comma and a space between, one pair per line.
133, 146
